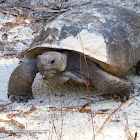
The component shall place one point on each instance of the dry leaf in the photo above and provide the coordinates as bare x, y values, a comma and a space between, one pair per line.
31, 110
103, 110
20, 21
83, 110
10, 116
2, 129
2, 107
108, 118
10, 133
13, 122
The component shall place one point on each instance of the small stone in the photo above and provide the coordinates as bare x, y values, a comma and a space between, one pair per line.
5, 36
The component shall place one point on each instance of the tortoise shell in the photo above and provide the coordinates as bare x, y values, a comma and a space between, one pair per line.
107, 34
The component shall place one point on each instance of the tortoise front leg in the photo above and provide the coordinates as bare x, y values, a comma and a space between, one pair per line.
20, 82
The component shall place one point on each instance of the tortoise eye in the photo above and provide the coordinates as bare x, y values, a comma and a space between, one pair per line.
41, 52
52, 61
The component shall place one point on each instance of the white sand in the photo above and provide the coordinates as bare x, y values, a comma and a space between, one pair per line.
76, 125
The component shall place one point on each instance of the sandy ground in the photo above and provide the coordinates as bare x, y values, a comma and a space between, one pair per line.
51, 116
62, 111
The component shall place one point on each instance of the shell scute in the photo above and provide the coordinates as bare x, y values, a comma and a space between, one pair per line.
107, 34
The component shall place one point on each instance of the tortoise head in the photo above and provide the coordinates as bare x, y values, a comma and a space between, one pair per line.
51, 62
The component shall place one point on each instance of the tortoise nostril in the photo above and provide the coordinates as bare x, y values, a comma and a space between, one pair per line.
52, 61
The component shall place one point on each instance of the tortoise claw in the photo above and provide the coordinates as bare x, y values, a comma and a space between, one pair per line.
8, 95
123, 97
26, 99
12, 99
127, 97
19, 99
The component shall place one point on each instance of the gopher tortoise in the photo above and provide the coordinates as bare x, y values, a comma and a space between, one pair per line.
94, 44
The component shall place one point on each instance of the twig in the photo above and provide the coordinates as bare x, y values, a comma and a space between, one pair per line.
15, 133
18, 55
98, 113
128, 130
61, 115
14, 122
60, 8
108, 118
87, 84
135, 98
2, 107
53, 127
135, 138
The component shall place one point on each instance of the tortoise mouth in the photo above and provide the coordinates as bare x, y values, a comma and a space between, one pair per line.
47, 73
56, 77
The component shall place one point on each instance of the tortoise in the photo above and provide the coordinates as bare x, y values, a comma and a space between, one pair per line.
95, 44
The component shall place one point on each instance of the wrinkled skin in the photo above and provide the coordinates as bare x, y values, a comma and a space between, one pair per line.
20, 82
60, 67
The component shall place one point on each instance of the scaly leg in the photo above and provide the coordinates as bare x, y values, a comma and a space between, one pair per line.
109, 84
20, 82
